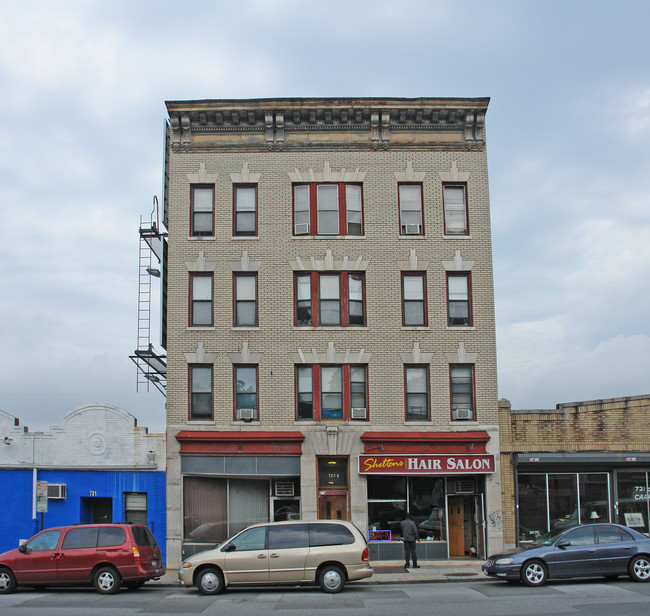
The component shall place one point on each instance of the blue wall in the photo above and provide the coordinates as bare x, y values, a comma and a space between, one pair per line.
81, 488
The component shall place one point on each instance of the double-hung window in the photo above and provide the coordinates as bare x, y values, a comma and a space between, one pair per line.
327, 209
201, 286
454, 198
202, 210
411, 219
245, 210
200, 386
246, 401
330, 299
331, 392
459, 306
461, 378
417, 392
245, 294
414, 305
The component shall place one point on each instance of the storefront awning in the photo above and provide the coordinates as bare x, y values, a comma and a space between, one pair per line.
425, 442
240, 443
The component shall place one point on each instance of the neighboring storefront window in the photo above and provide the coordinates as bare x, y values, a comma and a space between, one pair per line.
633, 493
390, 498
556, 500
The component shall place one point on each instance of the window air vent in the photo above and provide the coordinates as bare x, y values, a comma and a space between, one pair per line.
360, 412
284, 488
412, 229
301, 228
462, 414
56, 491
464, 486
246, 414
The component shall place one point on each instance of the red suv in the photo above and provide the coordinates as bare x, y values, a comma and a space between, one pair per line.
104, 555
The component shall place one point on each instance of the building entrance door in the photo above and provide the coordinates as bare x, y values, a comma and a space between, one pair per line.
332, 506
466, 525
96, 510
456, 516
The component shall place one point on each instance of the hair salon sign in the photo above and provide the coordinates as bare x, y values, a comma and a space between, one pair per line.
426, 465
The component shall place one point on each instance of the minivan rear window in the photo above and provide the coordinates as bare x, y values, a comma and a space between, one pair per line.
142, 536
329, 534
289, 536
77, 538
111, 536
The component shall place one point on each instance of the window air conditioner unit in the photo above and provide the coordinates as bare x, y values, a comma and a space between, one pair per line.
301, 228
56, 491
412, 229
284, 488
464, 486
462, 414
246, 414
360, 412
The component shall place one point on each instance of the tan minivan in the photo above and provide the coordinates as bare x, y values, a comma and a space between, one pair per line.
326, 552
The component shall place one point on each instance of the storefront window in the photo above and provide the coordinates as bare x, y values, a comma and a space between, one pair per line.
594, 497
562, 501
633, 493
533, 520
390, 498
568, 498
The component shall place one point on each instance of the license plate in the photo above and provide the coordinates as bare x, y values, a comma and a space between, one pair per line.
154, 563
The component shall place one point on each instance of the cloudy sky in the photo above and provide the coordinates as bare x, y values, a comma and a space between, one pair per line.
82, 91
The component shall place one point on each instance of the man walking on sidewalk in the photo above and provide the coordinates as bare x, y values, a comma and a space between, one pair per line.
409, 537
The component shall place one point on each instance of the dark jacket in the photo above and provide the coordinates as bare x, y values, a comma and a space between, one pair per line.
409, 530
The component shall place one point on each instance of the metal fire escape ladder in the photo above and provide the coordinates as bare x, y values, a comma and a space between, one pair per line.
151, 365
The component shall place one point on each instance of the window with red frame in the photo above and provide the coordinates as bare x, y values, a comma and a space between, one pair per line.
245, 210
416, 385
454, 197
414, 302
459, 304
246, 386
245, 297
200, 387
327, 209
201, 286
411, 217
331, 392
462, 395
330, 299
201, 210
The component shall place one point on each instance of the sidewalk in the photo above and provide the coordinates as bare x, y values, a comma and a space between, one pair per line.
388, 572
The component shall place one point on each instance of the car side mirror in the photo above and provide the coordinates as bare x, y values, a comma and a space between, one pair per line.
229, 547
22, 548
563, 543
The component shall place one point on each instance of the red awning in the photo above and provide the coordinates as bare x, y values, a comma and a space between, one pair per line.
424, 442
240, 443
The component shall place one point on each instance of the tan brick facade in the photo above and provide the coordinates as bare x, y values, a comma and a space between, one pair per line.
270, 144
610, 426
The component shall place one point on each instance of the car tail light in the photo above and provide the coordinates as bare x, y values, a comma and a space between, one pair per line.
136, 555
364, 555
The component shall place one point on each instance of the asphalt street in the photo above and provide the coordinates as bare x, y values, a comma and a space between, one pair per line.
487, 598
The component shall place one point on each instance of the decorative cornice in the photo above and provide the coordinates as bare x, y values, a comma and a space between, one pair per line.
313, 264
359, 123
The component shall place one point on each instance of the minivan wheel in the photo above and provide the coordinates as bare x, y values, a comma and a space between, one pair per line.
639, 569
331, 579
7, 581
210, 581
107, 580
533, 573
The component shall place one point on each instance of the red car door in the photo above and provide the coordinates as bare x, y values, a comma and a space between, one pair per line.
37, 560
78, 554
